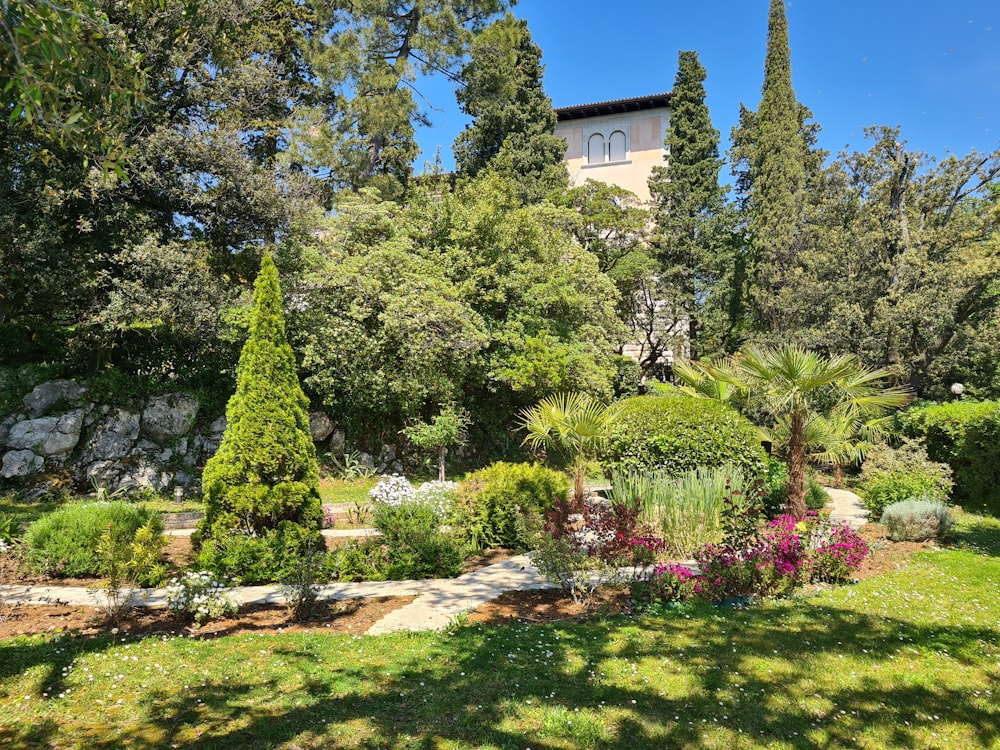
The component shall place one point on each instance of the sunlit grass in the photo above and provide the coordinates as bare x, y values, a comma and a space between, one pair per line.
910, 659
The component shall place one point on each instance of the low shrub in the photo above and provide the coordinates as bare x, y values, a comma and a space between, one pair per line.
775, 487
504, 505
64, 542
891, 475
966, 436
836, 554
691, 510
395, 490
677, 434
199, 597
259, 559
816, 496
415, 545
665, 584
565, 562
916, 520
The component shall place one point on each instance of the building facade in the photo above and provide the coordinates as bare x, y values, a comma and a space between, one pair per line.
616, 142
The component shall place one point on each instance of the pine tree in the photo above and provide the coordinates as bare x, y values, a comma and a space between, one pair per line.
772, 159
688, 237
264, 476
513, 118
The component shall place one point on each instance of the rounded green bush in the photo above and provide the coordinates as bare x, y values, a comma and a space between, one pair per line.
917, 519
966, 436
504, 504
64, 542
891, 475
679, 434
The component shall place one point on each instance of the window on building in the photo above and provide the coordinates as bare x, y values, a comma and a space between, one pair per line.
616, 146
595, 149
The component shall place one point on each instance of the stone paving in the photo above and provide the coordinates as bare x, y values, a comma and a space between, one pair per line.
438, 601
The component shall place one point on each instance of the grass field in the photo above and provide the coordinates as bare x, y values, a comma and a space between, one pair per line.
910, 659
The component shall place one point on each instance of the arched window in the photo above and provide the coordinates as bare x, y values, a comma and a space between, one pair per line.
617, 146
595, 149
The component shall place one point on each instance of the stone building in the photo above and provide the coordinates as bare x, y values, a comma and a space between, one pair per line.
619, 142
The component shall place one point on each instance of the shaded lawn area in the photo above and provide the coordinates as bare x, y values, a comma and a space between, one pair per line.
907, 660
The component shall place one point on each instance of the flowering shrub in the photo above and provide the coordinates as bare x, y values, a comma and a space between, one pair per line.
771, 565
666, 583
392, 490
645, 549
597, 527
439, 496
838, 555
328, 518
200, 597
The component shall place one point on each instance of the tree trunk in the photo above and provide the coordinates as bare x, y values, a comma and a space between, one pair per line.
442, 452
797, 468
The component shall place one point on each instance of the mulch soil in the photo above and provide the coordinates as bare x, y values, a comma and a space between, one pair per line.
357, 615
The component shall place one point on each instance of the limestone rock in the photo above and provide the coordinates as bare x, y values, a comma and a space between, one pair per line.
46, 395
338, 443
47, 436
167, 417
320, 425
114, 437
20, 464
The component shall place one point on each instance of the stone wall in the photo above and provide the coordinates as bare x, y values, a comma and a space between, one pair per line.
157, 442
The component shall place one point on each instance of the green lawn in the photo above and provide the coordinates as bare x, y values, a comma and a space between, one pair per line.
907, 660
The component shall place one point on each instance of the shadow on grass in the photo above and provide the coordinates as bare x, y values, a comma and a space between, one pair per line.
768, 676
980, 534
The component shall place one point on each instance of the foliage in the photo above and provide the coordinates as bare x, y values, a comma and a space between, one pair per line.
772, 565
772, 159
574, 425
578, 573
393, 490
676, 435
835, 555
599, 527
665, 584
448, 428
891, 475
512, 118
266, 557
65, 542
689, 241
349, 466
126, 564
504, 504
797, 387
816, 497
264, 478
199, 597
299, 586
690, 510
9, 530
917, 519
966, 436
415, 545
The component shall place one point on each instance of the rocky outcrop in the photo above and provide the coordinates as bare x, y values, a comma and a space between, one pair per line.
168, 417
47, 436
20, 464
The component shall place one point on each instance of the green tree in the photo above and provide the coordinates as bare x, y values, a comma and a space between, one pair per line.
689, 237
447, 428
513, 119
574, 425
796, 388
908, 278
365, 62
264, 479
773, 160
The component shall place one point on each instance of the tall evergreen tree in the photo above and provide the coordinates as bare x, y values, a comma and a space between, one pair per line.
264, 477
513, 118
771, 157
688, 237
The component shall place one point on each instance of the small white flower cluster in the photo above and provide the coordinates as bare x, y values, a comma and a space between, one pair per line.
392, 490
439, 496
200, 595
396, 491
3, 546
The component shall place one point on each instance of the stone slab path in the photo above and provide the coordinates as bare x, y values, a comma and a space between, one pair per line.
438, 601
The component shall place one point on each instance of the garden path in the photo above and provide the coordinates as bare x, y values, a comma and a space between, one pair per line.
438, 601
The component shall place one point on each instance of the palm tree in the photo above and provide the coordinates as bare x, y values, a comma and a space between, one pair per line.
574, 425
810, 397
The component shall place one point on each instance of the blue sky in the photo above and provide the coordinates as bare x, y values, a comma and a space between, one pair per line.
932, 68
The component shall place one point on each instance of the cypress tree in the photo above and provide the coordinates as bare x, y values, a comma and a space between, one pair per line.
264, 478
772, 156
513, 118
688, 199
